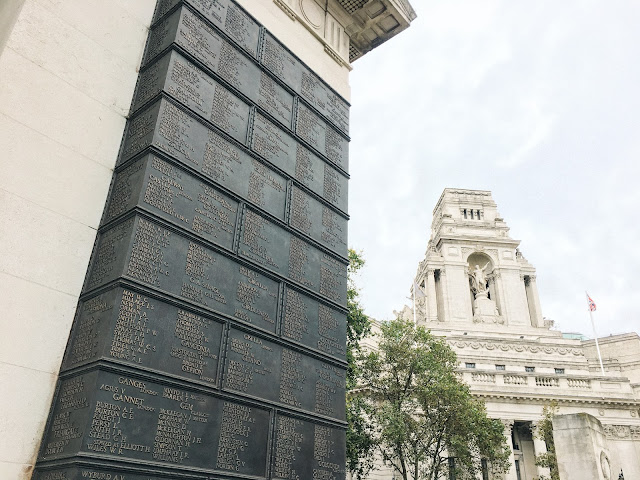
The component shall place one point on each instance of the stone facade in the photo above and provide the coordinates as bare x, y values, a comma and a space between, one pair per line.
476, 289
67, 76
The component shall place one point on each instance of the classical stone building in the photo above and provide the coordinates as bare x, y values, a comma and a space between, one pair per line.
476, 289
68, 71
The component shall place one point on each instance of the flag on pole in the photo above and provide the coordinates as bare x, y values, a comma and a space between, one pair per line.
417, 291
592, 304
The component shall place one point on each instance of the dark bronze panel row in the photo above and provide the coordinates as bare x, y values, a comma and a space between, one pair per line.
191, 86
173, 131
130, 419
225, 15
253, 363
244, 32
292, 72
149, 253
275, 249
179, 197
92, 471
139, 330
117, 416
239, 71
142, 331
282, 150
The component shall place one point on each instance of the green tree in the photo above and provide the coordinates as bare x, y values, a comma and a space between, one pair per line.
360, 439
545, 432
422, 413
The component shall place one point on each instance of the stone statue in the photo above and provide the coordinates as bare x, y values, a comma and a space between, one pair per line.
479, 279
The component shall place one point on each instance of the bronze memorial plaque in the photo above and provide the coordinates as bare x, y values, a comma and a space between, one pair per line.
209, 341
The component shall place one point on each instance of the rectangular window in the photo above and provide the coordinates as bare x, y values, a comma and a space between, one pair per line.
469, 365
518, 474
499, 367
559, 371
530, 369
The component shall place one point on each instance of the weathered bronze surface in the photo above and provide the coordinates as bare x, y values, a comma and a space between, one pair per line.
209, 340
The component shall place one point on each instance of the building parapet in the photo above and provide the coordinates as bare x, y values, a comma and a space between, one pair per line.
548, 384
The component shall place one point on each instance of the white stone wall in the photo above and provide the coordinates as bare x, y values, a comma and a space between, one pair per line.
67, 74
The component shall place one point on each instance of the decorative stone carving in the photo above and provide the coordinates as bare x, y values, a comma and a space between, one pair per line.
508, 425
505, 347
622, 431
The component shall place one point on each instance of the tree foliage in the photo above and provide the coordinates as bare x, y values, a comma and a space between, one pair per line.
545, 432
421, 412
360, 439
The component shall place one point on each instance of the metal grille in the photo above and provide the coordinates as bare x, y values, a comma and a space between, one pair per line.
352, 5
353, 53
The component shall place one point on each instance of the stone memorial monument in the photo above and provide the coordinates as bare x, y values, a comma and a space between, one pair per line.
209, 338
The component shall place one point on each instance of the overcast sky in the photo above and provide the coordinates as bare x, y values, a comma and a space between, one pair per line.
538, 102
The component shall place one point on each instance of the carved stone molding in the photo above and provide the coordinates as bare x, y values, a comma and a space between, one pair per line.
492, 252
622, 431
516, 347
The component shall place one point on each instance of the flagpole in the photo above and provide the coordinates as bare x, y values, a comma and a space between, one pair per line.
595, 335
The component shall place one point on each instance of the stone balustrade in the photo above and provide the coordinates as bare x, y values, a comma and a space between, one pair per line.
579, 383
576, 384
483, 377
515, 379
547, 381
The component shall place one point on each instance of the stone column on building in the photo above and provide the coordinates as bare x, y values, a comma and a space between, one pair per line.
445, 315
432, 301
535, 311
508, 427
501, 298
493, 289
539, 447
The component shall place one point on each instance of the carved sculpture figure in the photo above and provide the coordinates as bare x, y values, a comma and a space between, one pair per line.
479, 279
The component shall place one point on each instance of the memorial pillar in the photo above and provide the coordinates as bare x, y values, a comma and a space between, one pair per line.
209, 338
539, 448
432, 301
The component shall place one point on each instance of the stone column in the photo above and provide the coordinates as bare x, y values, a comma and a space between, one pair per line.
533, 298
493, 289
539, 447
511, 473
445, 315
432, 301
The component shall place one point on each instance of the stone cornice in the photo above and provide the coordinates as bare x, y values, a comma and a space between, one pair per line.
473, 241
562, 399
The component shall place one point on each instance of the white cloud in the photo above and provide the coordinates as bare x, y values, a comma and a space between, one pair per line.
536, 101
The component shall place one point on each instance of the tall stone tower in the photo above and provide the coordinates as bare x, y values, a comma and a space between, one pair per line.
473, 275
